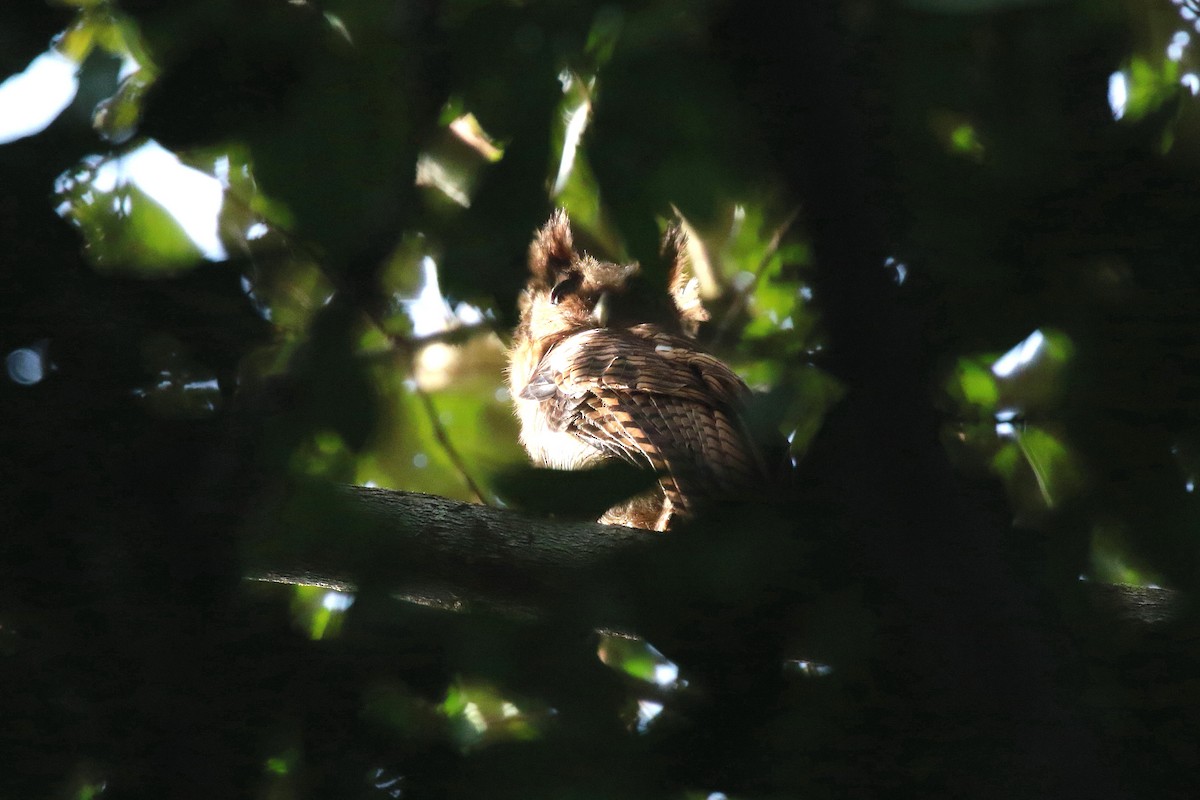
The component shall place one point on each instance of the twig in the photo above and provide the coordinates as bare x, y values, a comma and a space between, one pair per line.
742, 296
455, 335
435, 422
409, 347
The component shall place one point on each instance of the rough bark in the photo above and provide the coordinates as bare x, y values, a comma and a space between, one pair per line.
448, 553
444, 552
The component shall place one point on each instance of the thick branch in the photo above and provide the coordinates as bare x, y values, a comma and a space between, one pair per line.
440, 551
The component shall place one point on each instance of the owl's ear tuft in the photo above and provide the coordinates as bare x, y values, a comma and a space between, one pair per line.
552, 248
683, 282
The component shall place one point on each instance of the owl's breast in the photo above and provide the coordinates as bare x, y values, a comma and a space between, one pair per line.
548, 446
543, 437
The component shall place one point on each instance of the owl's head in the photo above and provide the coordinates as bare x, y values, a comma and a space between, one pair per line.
569, 291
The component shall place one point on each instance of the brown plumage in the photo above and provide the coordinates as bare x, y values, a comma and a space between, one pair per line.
594, 379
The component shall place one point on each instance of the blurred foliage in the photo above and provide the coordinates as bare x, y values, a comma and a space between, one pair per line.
267, 249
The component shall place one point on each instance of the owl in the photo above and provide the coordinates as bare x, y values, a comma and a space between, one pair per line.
597, 372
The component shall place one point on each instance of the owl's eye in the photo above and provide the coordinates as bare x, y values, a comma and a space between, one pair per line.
563, 288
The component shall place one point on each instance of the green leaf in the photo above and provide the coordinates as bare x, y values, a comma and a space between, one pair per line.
974, 384
1149, 85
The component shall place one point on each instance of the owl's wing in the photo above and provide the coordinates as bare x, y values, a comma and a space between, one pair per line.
650, 398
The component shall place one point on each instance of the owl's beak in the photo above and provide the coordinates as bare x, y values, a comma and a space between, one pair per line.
600, 311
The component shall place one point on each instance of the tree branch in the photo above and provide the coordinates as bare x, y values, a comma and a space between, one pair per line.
442, 552
447, 553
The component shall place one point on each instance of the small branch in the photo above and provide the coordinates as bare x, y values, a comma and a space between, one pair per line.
452, 336
435, 422
455, 335
409, 347
742, 296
